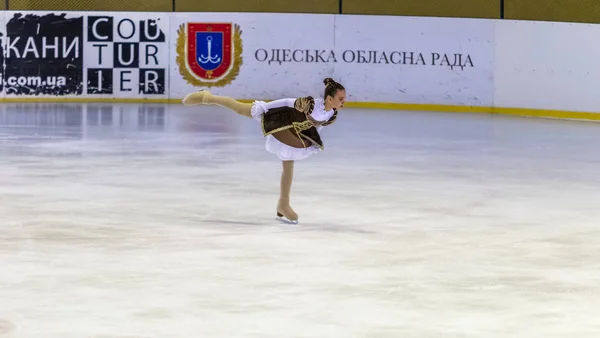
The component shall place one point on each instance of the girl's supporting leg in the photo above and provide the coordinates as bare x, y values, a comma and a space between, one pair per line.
283, 206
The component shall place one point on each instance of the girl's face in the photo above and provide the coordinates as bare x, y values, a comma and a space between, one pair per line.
338, 100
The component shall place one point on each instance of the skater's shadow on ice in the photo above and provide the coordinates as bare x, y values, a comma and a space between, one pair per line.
298, 227
219, 221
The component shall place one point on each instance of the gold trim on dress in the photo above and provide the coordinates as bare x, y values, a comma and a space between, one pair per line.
304, 105
313, 141
265, 133
331, 119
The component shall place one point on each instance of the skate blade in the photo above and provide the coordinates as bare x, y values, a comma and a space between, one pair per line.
284, 220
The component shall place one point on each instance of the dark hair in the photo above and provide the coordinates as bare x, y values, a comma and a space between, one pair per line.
331, 87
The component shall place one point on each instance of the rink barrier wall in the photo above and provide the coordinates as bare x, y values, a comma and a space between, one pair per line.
406, 63
519, 112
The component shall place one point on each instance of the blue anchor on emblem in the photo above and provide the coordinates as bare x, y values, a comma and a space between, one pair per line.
209, 59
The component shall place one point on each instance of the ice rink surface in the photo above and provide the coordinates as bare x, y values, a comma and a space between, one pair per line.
128, 220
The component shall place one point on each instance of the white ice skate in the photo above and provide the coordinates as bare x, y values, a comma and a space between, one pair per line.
285, 220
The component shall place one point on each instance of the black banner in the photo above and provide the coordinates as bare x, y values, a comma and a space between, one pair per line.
44, 55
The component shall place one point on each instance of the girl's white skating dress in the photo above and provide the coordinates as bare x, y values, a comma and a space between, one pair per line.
280, 115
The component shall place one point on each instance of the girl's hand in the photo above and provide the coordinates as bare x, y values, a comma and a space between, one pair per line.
304, 104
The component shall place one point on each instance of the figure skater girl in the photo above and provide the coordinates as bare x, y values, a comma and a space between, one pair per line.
291, 127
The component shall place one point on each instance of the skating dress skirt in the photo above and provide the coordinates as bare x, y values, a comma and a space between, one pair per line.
279, 115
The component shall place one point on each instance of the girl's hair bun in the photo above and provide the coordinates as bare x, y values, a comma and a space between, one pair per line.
329, 82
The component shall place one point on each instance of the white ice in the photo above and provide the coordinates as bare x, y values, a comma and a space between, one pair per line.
158, 221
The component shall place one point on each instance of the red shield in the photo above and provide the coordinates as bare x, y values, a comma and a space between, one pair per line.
209, 49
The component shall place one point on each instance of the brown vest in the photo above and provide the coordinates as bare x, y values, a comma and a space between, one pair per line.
283, 118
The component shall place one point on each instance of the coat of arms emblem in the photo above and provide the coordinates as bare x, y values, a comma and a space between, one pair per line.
209, 54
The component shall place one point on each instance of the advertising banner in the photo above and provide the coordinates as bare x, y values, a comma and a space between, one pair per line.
43, 54
379, 59
85, 55
127, 55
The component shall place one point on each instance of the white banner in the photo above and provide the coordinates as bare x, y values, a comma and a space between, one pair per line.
413, 60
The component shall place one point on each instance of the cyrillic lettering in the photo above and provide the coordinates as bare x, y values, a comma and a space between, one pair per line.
457, 63
362, 58
372, 56
383, 58
445, 60
299, 55
469, 62
275, 57
12, 41
331, 57
318, 54
421, 59
30, 47
297, 59
309, 58
351, 54
398, 54
434, 58
286, 55
411, 58
261, 52
46, 46
67, 49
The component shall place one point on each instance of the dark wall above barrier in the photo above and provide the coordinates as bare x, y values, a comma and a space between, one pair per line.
270, 6
587, 11
92, 5
437, 8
